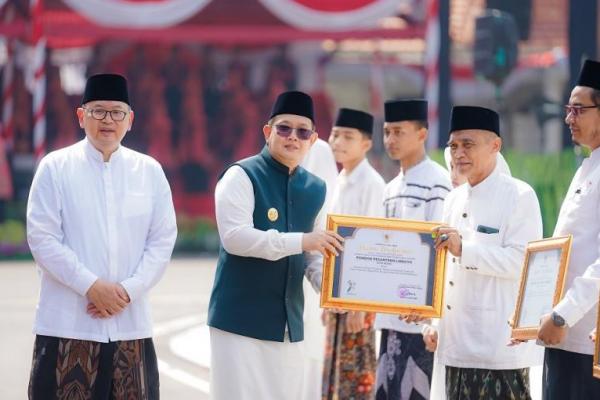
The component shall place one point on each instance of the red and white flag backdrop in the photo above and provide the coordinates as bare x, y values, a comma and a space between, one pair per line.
326, 15
331, 15
137, 13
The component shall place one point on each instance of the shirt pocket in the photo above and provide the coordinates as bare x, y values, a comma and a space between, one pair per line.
136, 204
414, 209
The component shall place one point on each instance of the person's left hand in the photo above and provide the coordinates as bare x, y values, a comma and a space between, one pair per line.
593, 335
355, 321
549, 333
96, 313
448, 237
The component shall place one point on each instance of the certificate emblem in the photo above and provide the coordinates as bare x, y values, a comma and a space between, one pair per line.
272, 214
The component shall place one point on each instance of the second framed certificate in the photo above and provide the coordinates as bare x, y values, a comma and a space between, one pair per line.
388, 266
542, 284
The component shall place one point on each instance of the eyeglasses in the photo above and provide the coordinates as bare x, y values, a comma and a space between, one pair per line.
576, 110
99, 114
286, 131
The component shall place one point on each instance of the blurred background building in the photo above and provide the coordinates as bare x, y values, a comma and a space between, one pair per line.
204, 73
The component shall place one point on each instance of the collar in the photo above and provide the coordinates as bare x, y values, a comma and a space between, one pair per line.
485, 184
96, 155
415, 168
595, 155
358, 171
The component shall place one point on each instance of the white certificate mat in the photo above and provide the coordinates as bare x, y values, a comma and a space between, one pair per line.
540, 285
386, 266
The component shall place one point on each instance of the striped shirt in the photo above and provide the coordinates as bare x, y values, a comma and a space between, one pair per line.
416, 194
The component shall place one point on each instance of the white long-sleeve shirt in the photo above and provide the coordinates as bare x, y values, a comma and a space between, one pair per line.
482, 285
320, 162
234, 207
580, 216
88, 219
359, 192
417, 194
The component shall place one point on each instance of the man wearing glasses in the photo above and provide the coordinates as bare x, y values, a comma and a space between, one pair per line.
266, 209
101, 227
568, 357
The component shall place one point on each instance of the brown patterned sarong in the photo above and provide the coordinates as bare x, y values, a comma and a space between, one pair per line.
486, 384
70, 369
350, 360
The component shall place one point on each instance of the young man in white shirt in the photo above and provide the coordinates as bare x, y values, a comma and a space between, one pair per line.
417, 193
568, 357
267, 208
101, 227
359, 191
490, 220
320, 162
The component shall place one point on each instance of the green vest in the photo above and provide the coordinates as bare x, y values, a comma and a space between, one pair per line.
256, 297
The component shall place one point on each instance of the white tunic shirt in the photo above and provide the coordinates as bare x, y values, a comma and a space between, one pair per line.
580, 217
416, 194
359, 192
320, 162
89, 219
481, 286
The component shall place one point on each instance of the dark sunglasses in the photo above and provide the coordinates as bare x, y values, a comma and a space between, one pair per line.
286, 131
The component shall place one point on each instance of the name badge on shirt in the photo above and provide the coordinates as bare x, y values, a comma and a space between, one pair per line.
272, 214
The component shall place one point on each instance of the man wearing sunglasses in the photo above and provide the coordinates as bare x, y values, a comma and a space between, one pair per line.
101, 227
267, 208
568, 357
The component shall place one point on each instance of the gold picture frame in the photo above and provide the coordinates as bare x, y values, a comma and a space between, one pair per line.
525, 326
383, 265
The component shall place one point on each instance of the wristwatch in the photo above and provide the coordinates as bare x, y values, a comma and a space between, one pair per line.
557, 319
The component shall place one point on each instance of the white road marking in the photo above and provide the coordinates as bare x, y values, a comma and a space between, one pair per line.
185, 329
183, 377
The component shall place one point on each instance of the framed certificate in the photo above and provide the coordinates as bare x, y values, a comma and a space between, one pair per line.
388, 266
542, 283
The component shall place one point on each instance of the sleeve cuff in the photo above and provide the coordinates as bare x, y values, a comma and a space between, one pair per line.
469, 253
84, 281
133, 288
569, 311
292, 242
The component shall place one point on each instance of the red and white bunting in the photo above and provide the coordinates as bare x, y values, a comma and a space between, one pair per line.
137, 13
432, 85
332, 15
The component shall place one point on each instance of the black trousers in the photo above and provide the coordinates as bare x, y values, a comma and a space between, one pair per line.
73, 369
568, 376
